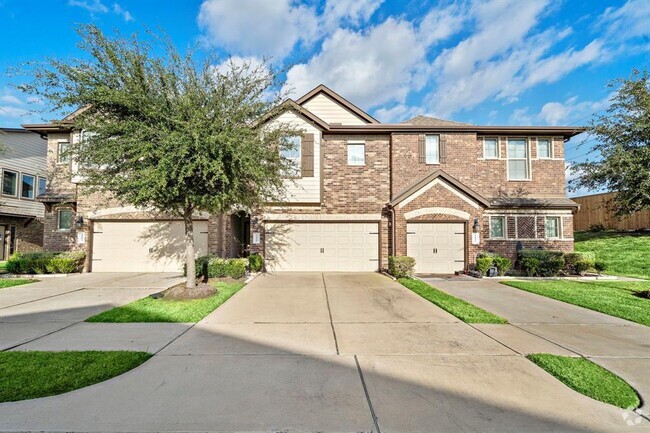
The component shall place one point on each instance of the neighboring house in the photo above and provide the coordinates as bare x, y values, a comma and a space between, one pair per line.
436, 190
23, 176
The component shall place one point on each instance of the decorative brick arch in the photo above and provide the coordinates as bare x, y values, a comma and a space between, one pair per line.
437, 210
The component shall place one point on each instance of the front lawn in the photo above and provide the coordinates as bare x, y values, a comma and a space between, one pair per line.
161, 310
7, 282
589, 379
625, 254
463, 310
3, 266
26, 375
616, 298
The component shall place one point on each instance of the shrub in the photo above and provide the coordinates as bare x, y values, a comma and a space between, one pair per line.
46, 262
503, 264
255, 262
581, 266
576, 256
401, 266
483, 264
551, 266
600, 267
550, 262
217, 267
530, 265
482, 254
598, 227
236, 268
64, 265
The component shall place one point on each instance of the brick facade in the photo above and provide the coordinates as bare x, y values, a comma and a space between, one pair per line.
28, 234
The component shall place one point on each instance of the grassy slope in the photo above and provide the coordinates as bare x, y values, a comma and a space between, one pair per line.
160, 310
615, 298
10, 282
28, 375
463, 310
589, 379
625, 254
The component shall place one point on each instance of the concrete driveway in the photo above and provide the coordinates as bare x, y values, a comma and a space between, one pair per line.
326, 352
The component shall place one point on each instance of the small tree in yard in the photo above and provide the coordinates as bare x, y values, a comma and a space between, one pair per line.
623, 137
169, 133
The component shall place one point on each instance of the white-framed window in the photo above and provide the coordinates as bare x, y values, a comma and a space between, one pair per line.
9, 183
63, 152
64, 219
544, 148
356, 153
432, 149
293, 153
518, 159
42, 185
552, 227
491, 148
497, 227
27, 186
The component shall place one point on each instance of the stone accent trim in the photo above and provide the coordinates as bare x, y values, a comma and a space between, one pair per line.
322, 217
436, 210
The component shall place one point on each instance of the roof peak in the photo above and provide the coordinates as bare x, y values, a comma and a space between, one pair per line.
421, 120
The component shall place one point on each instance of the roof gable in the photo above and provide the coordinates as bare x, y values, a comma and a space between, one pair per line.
321, 89
432, 121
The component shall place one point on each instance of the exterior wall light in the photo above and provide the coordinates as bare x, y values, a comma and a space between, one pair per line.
79, 222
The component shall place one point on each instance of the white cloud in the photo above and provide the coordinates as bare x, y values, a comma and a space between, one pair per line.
12, 112
123, 12
352, 12
396, 113
628, 21
555, 113
369, 67
250, 63
10, 99
92, 6
258, 27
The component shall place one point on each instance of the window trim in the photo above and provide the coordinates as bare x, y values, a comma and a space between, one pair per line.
504, 227
38, 185
58, 219
559, 227
425, 149
297, 171
59, 161
34, 186
529, 170
356, 143
550, 147
498, 148
17, 173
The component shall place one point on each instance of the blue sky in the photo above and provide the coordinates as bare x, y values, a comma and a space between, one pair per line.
492, 62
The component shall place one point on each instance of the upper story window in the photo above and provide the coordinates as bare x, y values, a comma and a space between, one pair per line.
64, 219
42, 185
497, 227
544, 148
9, 183
518, 159
432, 149
356, 153
27, 187
292, 152
63, 152
552, 226
491, 148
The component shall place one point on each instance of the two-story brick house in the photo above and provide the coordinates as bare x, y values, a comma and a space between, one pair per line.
437, 190
23, 177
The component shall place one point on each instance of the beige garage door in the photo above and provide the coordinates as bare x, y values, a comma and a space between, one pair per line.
438, 248
352, 247
128, 246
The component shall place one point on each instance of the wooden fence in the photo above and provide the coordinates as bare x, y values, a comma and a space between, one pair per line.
594, 210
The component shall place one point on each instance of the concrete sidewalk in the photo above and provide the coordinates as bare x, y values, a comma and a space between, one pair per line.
329, 353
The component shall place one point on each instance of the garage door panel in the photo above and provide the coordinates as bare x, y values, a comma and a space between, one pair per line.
436, 247
131, 246
331, 246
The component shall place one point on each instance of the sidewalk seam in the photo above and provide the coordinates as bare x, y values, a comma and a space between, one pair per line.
365, 391
329, 311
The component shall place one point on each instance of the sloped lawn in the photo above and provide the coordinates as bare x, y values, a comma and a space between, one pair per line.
161, 310
625, 254
616, 298
8, 282
26, 375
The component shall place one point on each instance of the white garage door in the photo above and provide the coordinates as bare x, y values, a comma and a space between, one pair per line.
129, 246
438, 248
322, 247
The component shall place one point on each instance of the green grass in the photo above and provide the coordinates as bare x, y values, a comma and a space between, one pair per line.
625, 254
3, 267
615, 298
25, 375
161, 310
7, 282
463, 310
589, 379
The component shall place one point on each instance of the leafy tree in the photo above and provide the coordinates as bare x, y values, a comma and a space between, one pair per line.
623, 140
170, 132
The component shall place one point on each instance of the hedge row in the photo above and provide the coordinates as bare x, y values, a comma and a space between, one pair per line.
46, 262
549, 263
216, 267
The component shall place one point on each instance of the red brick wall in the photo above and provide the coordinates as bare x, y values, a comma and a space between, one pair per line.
29, 234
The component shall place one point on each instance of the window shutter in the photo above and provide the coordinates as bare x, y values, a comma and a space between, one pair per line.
307, 156
443, 149
422, 148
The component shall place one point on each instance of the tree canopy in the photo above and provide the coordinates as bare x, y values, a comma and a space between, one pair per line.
622, 138
169, 132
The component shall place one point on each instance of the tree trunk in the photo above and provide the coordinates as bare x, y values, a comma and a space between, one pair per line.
189, 251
